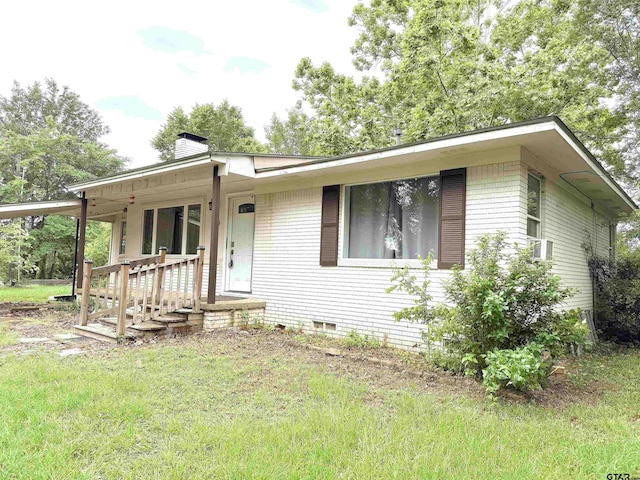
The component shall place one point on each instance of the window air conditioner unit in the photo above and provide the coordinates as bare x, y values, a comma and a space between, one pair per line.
542, 250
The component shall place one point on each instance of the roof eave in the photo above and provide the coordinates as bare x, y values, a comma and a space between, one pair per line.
190, 161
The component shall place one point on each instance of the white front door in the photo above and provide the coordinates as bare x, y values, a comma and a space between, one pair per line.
240, 244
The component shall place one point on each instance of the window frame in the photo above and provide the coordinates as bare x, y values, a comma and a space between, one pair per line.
532, 217
343, 232
185, 204
122, 237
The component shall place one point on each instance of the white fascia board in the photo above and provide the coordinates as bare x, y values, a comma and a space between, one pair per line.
423, 147
135, 175
597, 169
38, 208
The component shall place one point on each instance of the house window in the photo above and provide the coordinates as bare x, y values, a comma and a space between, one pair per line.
180, 237
397, 219
193, 229
147, 232
533, 206
123, 237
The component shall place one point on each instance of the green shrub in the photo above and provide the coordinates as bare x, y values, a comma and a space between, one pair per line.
355, 340
500, 302
521, 368
618, 296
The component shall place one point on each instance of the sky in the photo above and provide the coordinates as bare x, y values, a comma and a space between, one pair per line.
136, 61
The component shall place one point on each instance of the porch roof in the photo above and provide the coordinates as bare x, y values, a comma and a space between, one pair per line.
61, 207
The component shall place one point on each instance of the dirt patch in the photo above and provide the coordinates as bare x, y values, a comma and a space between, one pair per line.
380, 368
384, 368
37, 331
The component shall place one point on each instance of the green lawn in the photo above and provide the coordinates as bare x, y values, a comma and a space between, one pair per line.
32, 293
212, 408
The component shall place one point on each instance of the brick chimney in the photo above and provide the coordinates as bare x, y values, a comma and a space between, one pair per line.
189, 144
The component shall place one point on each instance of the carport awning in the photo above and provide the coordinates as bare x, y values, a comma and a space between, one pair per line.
60, 207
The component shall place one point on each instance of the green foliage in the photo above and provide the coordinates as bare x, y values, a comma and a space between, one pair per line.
27, 110
448, 66
98, 241
292, 136
502, 301
49, 139
615, 26
403, 280
52, 245
521, 368
223, 125
12, 238
366, 342
618, 299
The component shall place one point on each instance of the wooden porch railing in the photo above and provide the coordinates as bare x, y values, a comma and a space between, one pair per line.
141, 290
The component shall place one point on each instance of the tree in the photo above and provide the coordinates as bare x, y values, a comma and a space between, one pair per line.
53, 247
448, 66
12, 237
222, 125
40, 165
26, 111
292, 136
98, 242
615, 25
49, 138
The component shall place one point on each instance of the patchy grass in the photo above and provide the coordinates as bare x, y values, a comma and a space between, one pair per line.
32, 293
255, 406
7, 336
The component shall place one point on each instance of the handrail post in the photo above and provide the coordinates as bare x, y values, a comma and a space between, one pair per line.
124, 299
86, 292
197, 289
160, 275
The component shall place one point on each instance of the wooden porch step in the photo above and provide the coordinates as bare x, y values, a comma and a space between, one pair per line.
170, 318
146, 327
186, 310
98, 331
138, 327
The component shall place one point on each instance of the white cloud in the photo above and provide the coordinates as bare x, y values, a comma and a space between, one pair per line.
99, 53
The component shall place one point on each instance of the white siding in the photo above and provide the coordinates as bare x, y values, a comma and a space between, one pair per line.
287, 274
569, 222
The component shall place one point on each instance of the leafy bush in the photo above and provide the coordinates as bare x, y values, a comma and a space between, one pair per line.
618, 296
355, 340
521, 368
501, 302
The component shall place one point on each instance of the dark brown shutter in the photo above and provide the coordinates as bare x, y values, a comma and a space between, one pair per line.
453, 187
329, 227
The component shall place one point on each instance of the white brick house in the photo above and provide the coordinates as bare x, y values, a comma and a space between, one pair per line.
364, 211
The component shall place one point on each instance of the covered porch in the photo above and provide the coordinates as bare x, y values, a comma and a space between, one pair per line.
149, 288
